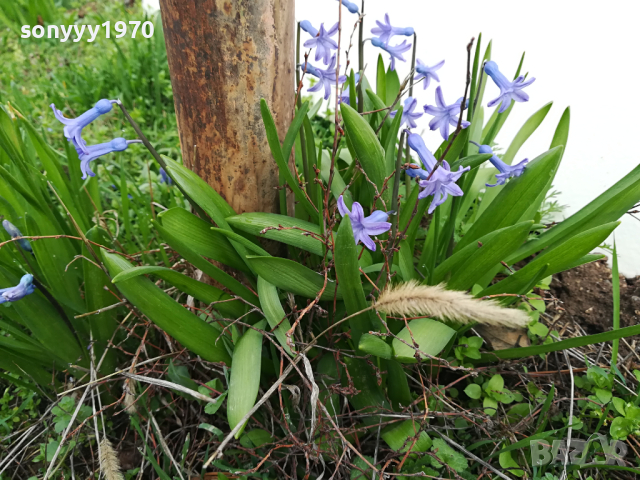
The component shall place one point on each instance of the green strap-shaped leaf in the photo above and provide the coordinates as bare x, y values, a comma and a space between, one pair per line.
430, 335
248, 244
293, 232
209, 269
348, 274
381, 79
515, 198
55, 174
198, 235
560, 138
281, 160
338, 184
194, 333
390, 146
471, 161
53, 259
608, 207
273, 311
245, 376
576, 342
405, 261
290, 276
206, 197
366, 147
97, 297
557, 259
488, 256
203, 292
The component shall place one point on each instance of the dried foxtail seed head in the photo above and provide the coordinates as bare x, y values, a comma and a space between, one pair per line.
109, 463
412, 299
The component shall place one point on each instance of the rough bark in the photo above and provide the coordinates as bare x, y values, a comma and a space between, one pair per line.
224, 56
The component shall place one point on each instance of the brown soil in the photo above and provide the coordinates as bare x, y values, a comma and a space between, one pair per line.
586, 295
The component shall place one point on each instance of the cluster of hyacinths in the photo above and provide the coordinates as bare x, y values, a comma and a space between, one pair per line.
73, 132
435, 178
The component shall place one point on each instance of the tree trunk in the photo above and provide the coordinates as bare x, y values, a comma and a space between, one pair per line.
224, 56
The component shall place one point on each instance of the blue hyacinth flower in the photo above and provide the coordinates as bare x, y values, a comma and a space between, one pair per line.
94, 151
344, 97
442, 182
73, 126
24, 288
426, 72
506, 171
444, 115
365, 227
509, 91
395, 51
321, 41
385, 31
326, 77
164, 178
13, 232
409, 117
352, 7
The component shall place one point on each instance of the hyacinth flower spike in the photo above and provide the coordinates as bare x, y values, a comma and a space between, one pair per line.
94, 151
426, 72
73, 126
395, 51
509, 91
24, 288
442, 181
365, 227
444, 115
326, 77
344, 97
506, 171
385, 31
409, 117
352, 7
13, 231
321, 41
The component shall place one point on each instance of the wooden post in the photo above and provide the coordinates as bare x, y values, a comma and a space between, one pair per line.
224, 56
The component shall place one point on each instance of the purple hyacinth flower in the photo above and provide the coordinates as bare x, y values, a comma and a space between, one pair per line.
509, 91
164, 178
365, 227
326, 77
426, 72
13, 232
442, 182
73, 126
409, 117
385, 31
344, 97
352, 7
506, 171
94, 151
395, 51
444, 115
24, 288
321, 41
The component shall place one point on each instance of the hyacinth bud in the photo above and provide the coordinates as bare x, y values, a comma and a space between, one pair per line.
24, 288
13, 231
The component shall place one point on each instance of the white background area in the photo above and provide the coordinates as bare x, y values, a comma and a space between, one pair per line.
582, 54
